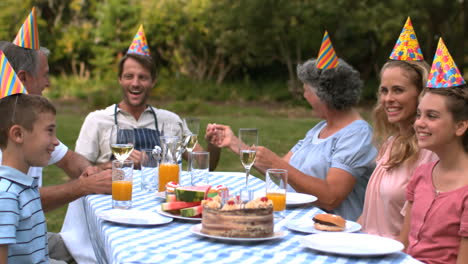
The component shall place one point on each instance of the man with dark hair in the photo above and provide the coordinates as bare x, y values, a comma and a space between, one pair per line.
136, 76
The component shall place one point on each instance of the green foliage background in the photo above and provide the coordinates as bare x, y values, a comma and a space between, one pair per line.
227, 50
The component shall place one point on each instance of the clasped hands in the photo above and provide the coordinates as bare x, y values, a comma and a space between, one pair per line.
222, 136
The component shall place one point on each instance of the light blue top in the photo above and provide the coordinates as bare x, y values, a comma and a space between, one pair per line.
22, 221
349, 149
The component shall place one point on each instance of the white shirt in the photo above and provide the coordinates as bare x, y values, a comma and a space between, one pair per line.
93, 141
57, 155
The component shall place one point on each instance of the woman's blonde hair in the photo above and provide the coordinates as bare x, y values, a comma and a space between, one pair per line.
404, 147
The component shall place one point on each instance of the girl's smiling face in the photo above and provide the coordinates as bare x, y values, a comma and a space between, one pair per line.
435, 126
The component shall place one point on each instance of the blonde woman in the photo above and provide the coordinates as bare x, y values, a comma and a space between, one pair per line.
401, 83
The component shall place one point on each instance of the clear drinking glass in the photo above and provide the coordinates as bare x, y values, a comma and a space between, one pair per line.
276, 182
122, 141
190, 136
173, 129
122, 182
247, 149
149, 170
200, 168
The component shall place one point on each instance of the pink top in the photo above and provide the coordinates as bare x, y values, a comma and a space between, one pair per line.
438, 220
385, 194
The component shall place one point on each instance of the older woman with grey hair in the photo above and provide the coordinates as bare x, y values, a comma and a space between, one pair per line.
336, 157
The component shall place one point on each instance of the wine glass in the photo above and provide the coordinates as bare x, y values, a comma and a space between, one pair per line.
190, 136
122, 141
247, 149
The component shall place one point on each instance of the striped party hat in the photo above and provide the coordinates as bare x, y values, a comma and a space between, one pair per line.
139, 44
9, 83
28, 36
444, 72
407, 46
326, 58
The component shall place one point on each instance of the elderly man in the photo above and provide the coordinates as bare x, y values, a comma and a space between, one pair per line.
31, 67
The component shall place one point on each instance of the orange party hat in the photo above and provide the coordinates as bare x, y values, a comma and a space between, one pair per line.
444, 72
9, 82
327, 58
28, 36
139, 44
407, 46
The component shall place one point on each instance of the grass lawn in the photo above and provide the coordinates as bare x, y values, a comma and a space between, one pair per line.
279, 129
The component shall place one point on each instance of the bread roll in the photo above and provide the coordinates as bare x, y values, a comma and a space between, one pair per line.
329, 222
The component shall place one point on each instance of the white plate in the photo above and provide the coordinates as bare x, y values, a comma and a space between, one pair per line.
351, 244
158, 209
307, 226
196, 229
293, 198
134, 217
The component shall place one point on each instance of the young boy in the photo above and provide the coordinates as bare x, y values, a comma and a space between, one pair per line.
27, 138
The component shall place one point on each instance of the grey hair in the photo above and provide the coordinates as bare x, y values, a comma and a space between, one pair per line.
21, 58
339, 88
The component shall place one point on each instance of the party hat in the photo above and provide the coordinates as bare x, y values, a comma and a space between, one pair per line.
28, 36
444, 72
327, 58
407, 46
9, 83
139, 44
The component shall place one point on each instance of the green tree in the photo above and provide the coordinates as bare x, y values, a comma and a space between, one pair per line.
117, 22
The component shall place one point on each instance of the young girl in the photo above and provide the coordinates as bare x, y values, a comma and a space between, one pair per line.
435, 229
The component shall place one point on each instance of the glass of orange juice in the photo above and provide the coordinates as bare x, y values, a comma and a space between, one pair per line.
169, 168
167, 172
276, 183
122, 183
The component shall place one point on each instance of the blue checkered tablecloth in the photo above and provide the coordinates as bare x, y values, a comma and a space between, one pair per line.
174, 243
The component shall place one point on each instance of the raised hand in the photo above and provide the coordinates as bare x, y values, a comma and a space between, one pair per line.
221, 136
266, 158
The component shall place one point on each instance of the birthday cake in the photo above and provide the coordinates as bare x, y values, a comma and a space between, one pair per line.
233, 219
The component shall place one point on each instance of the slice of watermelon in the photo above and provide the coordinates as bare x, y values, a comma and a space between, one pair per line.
192, 193
177, 205
191, 211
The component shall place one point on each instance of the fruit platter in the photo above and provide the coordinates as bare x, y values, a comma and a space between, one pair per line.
184, 202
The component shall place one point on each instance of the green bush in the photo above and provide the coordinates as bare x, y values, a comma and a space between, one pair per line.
189, 95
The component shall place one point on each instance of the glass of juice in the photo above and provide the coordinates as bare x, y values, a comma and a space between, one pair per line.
276, 183
167, 172
122, 182
169, 168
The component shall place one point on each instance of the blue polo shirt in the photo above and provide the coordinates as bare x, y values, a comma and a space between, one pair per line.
22, 221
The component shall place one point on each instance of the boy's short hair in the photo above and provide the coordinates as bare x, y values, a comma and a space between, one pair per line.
23, 110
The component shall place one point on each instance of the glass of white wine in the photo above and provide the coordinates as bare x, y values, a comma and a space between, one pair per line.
247, 150
122, 141
190, 137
